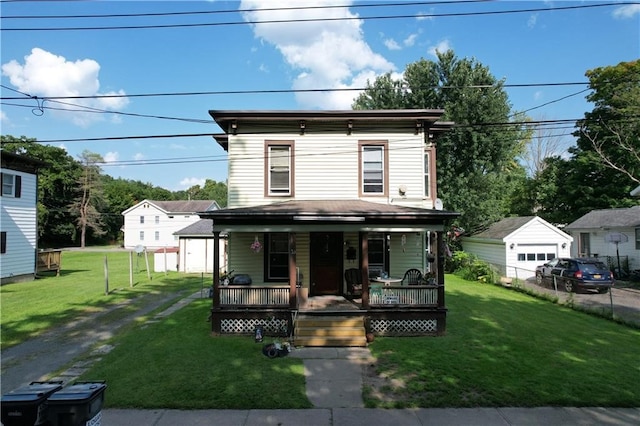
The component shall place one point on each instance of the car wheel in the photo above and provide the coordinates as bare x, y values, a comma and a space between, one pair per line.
603, 290
568, 286
538, 278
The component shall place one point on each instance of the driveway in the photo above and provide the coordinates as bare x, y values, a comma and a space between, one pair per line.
623, 299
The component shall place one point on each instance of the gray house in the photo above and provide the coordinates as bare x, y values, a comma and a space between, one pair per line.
516, 245
595, 234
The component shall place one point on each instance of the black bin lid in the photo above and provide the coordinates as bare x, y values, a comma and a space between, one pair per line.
33, 392
78, 392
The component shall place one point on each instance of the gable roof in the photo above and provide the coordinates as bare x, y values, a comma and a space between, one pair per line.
180, 206
509, 226
608, 218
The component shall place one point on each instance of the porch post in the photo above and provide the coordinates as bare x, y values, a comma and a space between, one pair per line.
363, 238
293, 272
440, 267
216, 269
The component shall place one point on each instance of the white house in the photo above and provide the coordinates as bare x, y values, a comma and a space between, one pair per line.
196, 248
18, 220
152, 224
595, 234
516, 245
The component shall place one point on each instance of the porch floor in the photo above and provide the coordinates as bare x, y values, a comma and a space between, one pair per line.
330, 304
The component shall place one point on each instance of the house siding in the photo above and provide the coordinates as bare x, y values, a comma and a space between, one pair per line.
166, 227
598, 245
19, 221
334, 158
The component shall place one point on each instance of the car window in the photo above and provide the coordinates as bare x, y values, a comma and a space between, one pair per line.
593, 267
553, 262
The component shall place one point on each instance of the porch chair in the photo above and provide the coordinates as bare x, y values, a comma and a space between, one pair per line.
412, 277
353, 277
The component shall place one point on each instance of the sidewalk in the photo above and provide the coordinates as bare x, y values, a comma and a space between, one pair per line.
541, 416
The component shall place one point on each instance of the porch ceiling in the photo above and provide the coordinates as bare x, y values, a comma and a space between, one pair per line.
330, 214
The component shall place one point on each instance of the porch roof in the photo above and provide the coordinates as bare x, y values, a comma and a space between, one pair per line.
353, 213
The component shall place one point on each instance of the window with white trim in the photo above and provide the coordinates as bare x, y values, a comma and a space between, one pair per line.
279, 169
141, 219
157, 236
141, 235
427, 180
373, 163
157, 220
11, 185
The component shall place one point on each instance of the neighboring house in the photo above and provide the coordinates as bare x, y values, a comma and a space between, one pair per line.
312, 194
195, 243
19, 219
592, 233
516, 245
152, 224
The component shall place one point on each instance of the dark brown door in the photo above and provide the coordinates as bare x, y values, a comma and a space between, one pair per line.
326, 263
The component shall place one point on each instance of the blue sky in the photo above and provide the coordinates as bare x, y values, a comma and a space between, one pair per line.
231, 54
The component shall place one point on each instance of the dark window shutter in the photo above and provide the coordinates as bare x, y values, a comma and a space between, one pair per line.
1, 183
18, 184
3, 242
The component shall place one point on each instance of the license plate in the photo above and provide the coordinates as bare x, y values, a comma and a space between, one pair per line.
597, 276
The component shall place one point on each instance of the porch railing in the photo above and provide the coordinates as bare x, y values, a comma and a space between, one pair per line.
403, 295
240, 295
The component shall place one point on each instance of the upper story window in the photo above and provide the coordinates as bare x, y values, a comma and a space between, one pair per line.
157, 235
427, 180
278, 168
11, 185
141, 235
157, 220
373, 168
141, 219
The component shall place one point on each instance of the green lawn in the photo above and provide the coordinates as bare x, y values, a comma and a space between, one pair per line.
31, 308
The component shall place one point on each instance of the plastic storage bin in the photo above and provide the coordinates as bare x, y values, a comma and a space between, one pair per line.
78, 404
26, 406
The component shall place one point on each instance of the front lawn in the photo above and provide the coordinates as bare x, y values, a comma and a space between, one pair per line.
31, 308
502, 348
505, 348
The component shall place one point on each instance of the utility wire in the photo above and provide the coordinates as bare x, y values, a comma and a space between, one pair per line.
326, 19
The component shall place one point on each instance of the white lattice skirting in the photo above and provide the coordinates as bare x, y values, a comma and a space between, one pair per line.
391, 326
248, 325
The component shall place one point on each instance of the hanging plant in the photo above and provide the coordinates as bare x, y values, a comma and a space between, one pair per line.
256, 246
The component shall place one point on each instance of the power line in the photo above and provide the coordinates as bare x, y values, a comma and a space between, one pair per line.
326, 19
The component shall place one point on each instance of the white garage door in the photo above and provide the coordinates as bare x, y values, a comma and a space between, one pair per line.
532, 255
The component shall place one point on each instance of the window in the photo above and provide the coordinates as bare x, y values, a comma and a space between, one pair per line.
3, 242
427, 181
141, 235
585, 246
11, 185
378, 254
521, 257
277, 257
157, 220
157, 235
637, 238
373, 165
278, 168
141, 219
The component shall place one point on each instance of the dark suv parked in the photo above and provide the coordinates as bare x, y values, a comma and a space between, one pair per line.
576, 273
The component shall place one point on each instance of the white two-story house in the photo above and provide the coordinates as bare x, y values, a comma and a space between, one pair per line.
314, 195
19, 218
152, 224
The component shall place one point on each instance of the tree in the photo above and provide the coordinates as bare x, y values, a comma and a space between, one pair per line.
86, 205
543, 145
476, 161
612, 129
211, 190
56, 185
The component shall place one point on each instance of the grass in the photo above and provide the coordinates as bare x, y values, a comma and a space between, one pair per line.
31, 308
505, 348
176, 364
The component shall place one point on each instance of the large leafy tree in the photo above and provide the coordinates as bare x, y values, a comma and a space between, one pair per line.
211, 190
477, 165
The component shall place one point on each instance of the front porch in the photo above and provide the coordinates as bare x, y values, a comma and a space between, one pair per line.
390, 311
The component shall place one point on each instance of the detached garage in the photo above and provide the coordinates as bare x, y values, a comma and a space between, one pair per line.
196, 247
516, 245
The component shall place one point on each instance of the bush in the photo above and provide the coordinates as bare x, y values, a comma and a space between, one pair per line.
469, 267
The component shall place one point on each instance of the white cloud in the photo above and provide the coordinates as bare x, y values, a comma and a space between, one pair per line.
537, 95
411, 40
45, 74
138, 156
531, 23
391, 44
441, 47
110, 157
3, 117
627, 11
192, 181
425, 16
326, 54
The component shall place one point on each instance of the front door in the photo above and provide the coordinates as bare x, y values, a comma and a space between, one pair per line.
326, 263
